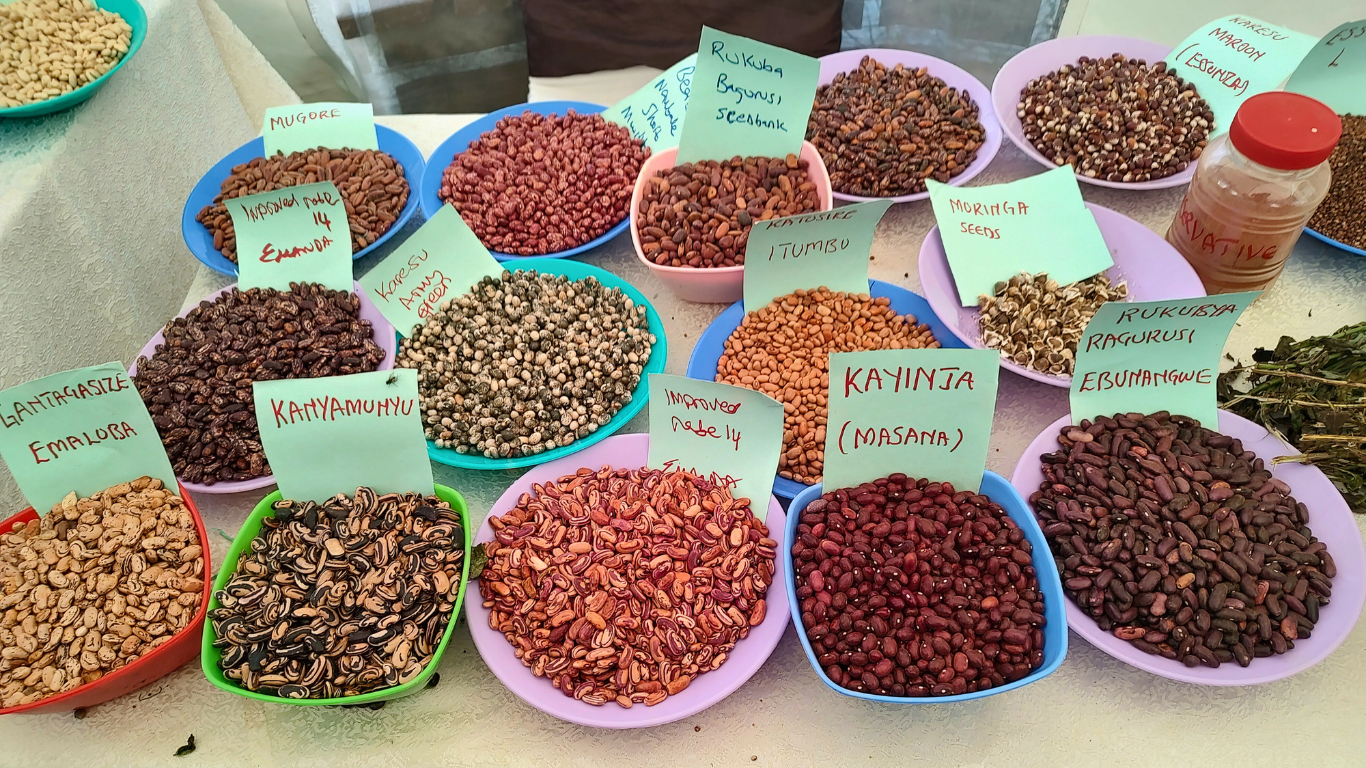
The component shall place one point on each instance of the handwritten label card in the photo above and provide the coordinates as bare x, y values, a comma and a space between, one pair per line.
292, 235
729, 435
83, 430
1334, 72
922, 412
442, 260
810, 250
655, 113
334, 125
1234, 58
1037, 224
328, 436
753, 99
1154, 356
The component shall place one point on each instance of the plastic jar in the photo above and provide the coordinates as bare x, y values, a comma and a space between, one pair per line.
1254, 189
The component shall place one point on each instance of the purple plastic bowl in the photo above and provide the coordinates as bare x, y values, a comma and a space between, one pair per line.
848, 61
384, 337
706, 689
1038, 60
1331, 521
1153, 269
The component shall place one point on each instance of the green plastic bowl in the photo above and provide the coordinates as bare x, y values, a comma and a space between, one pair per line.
210, 655
659, 356
132, 13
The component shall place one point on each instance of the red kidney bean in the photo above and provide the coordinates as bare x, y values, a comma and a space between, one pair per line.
910, 588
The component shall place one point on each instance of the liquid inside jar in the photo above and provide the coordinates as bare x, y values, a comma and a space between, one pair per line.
1239, 220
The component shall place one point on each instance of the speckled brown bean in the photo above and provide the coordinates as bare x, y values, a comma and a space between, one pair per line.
1180, 541
783, 350
910, 588
539, 184
699, 214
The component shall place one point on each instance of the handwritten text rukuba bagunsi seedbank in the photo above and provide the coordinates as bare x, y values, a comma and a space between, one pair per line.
742, 93
858, 381
289, 412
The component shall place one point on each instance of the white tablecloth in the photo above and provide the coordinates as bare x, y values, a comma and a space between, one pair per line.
1092, 711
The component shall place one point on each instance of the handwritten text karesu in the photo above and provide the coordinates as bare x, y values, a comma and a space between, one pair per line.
289, 412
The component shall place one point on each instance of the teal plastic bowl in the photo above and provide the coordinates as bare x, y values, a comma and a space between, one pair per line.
659, 355
132, 13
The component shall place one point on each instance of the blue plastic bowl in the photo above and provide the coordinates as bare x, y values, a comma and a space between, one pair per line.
659, 355
707, 354
460, 141
999, 490
200, 240
132, 13
1335, 243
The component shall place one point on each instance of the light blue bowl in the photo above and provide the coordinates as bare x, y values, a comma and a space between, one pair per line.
712, 343
659, 355
999, 490
137, 19
460, 141
1335, 243
200, 241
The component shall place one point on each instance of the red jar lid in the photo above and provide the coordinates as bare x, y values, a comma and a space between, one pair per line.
1289, 131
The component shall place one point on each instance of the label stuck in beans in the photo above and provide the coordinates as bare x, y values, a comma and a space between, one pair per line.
910, 588
1177, 539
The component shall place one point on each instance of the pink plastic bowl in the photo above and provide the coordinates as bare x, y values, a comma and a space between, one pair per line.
955, 77
384, 337
1331, 521
1038, 60
1153, 269
720, 285
628, 451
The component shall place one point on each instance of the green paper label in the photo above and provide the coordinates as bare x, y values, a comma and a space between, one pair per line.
331, 124
292, 235
1229, 60
752, 100
83, 430
922, 412
442, 260
729, 435
810, 250
1151, 356
1037, 224
1334, 72
330, 435
655, 113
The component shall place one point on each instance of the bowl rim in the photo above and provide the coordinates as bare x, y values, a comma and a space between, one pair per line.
784, 488
932, 250
137, 21
445, 153
640, 396
1227, 675
384, 338
389, 141
809, 153
1317, 235
1050, 588
241, 541
1010, 122
993, 133
198, 620
538, 692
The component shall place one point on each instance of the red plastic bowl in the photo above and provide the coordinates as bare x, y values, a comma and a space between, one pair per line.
162, 661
